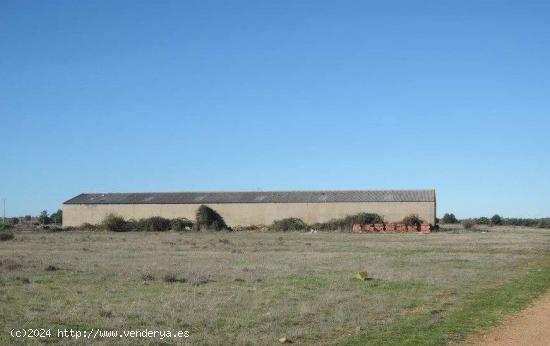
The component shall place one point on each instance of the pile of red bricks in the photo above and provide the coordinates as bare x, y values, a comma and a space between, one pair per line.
391, 228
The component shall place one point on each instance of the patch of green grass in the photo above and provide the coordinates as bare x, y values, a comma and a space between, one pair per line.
484, 309
392, 285
308, 281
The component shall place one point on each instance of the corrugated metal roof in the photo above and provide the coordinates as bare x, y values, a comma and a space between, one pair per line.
255, 197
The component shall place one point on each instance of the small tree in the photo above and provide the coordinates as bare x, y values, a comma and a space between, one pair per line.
28, 218
14, 220
449, 218
44, 219
496, 220
57, 217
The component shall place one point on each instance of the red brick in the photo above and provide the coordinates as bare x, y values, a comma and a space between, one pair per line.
412, 228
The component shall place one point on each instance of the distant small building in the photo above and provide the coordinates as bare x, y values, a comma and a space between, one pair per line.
252, 208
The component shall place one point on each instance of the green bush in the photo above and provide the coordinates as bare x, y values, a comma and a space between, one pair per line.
4, 226
57, 217
181, 224
496, 220
4, 236
207, 218
289, 224
154, 224
115, 223
483, 221
347, 222
412, 220
468, 224
449, 218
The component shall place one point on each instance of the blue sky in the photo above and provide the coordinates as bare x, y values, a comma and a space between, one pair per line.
101, 96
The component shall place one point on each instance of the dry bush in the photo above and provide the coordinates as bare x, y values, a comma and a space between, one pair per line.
468, 224
115, 223
5, 236
289, 224
181, 224
154, 224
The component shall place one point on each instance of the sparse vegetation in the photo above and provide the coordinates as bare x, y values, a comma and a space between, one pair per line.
289, 224
524, 222
207, 218
430, 290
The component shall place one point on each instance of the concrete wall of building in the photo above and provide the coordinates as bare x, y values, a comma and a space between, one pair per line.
249, 213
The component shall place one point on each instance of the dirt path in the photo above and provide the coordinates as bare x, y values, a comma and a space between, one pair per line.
529, 327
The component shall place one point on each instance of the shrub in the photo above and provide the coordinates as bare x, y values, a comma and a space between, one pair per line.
4, 226
347, 222
496, 220
412, 220
4, 236
171, 277
147, 277
181, 224
44, 219
14, 221
154, 224
468, 224
207, 218
449, 218
88, 227
483, 221
289, 224
115, 223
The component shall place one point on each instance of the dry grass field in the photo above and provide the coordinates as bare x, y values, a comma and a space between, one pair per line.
254, 288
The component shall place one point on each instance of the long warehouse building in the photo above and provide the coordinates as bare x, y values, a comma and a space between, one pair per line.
253, 207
